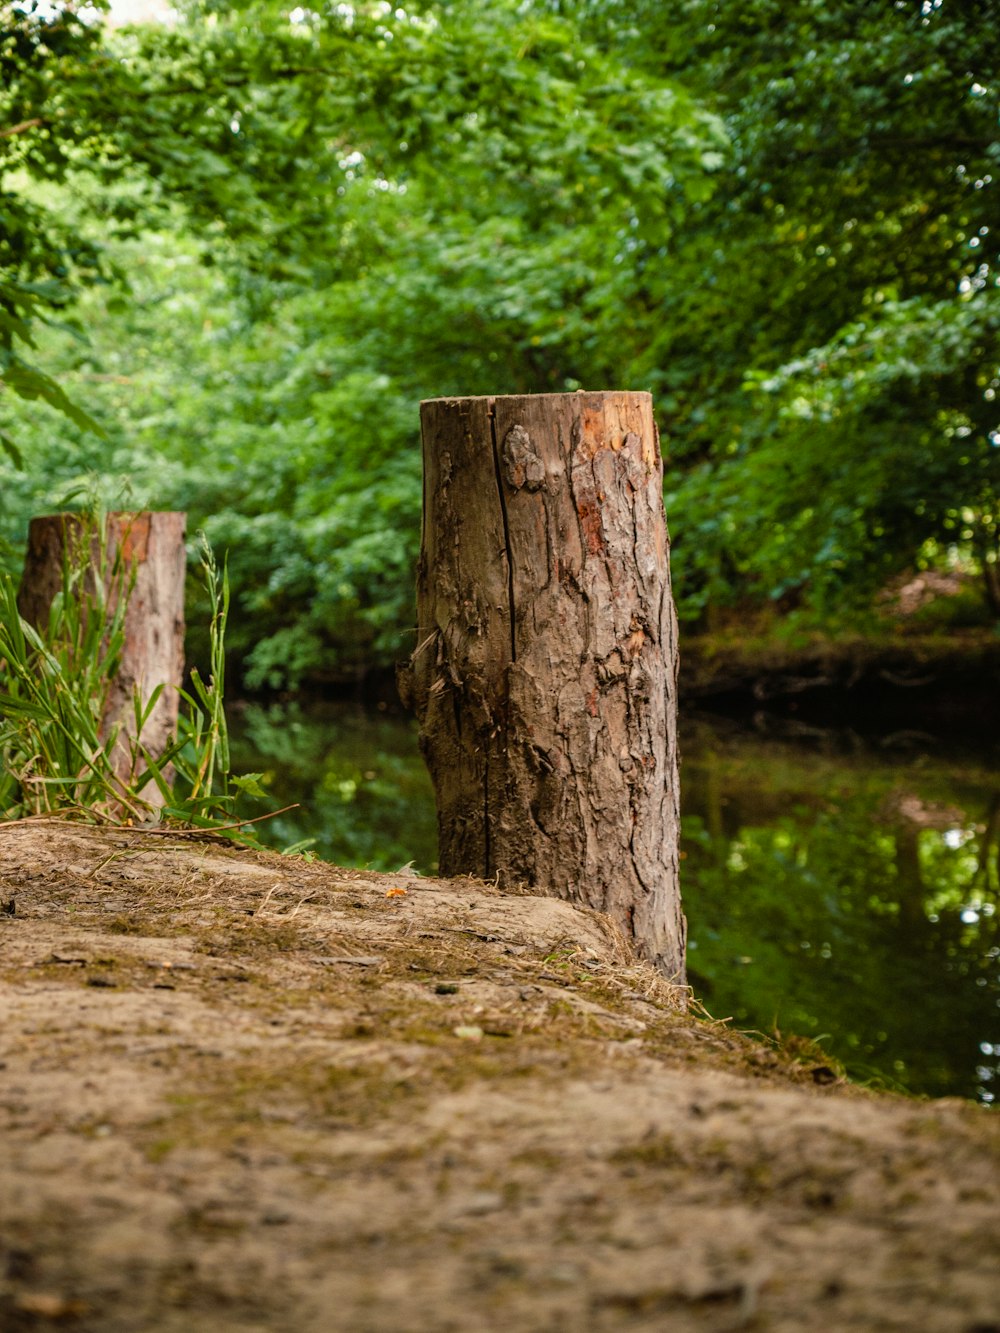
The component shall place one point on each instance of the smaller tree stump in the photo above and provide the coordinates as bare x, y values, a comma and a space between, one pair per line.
152, 551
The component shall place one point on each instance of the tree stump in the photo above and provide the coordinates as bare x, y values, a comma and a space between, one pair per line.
544, 673
151, 546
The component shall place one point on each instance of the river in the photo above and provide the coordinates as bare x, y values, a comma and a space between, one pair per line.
839, 888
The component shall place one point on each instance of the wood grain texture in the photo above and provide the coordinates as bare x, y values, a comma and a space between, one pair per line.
544, 676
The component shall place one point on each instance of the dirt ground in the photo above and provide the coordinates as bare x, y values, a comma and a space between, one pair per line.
244, 1092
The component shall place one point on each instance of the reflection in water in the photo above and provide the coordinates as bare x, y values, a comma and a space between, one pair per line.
849, 897
363, 793
841, 892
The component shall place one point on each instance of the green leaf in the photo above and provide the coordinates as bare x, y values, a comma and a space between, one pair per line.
11, 450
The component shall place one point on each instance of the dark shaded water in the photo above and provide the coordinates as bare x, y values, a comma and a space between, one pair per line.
836, 888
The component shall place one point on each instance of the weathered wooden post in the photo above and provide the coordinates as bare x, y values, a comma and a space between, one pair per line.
151, 546
545, 666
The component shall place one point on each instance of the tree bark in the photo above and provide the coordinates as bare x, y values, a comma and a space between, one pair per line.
151, 545
544, 674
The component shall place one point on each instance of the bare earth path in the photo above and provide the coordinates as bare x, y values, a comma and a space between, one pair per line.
240, 1092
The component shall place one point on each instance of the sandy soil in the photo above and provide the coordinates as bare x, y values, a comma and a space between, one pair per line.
240, 1092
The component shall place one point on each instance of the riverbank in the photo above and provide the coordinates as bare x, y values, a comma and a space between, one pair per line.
249, 1092
952, 676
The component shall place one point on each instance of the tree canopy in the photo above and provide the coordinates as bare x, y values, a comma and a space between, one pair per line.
853, 245
246, 243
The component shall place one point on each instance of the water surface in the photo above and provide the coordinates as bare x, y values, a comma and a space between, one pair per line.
838, 888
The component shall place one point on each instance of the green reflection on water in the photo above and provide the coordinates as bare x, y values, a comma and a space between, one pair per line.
362, 791
846, 896
851, 897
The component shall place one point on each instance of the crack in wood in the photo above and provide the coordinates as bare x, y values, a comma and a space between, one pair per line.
509, 554
506, 529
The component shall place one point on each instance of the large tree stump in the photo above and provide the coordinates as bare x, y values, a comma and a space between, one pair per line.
545, 666
151, 546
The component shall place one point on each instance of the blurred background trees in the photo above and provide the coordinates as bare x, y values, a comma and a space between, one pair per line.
237, 248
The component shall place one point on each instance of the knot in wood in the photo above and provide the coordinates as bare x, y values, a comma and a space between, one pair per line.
522, 466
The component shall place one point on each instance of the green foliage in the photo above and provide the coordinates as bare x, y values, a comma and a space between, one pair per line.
53, 77
922, 374
846, 272
393, 206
